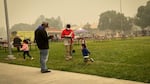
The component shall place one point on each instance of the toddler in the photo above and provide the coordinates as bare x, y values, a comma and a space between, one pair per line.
25, 49
86, 53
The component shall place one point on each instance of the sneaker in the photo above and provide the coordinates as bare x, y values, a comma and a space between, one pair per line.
47, 71
68, 58
91, 59
32, 58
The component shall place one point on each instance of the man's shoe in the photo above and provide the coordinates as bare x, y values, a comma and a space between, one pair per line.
45, 71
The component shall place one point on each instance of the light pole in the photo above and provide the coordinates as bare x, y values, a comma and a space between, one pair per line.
10, 56
120, 6
121, 13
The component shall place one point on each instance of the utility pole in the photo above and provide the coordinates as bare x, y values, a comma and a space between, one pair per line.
10, 56
121, 13
120, 6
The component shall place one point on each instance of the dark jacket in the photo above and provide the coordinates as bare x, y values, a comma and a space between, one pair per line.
85, 52
17, 41
41, 38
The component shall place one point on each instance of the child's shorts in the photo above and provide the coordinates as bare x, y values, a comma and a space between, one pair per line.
86, 58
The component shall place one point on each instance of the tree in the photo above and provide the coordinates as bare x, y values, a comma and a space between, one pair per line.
143, 16
87, 26
114, 21
56, 23
21, 27
59, 22
39, 20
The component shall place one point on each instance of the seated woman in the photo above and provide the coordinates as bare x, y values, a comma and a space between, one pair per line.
17, 42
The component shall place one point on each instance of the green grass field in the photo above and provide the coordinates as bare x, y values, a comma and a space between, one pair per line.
123, 59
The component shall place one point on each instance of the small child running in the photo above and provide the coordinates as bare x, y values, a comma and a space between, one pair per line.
25, 49
86, 53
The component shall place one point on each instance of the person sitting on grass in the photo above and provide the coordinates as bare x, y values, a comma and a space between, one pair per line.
86, 53
25, 49
17, 43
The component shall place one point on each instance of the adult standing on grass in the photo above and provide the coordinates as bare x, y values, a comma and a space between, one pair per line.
68, 36
41, 38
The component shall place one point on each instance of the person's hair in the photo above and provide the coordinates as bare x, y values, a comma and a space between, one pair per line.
45, 24
25, 41
68, 26
83, 45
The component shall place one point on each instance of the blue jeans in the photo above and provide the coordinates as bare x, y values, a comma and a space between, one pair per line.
44, 53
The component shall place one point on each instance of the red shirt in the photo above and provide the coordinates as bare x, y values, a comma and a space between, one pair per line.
67, 32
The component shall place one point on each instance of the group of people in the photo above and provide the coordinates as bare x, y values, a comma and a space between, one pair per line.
17, 42
68, 36
42, 41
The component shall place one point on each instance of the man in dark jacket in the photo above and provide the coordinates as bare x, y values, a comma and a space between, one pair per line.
41, 38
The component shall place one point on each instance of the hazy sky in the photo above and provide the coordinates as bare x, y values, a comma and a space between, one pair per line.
71, 11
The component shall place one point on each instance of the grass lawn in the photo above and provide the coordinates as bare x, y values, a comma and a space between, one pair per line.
122, 59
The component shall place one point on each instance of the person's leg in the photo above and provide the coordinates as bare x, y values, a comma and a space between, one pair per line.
67, 51
24, 53
18, 48
70, 50
28, 54
91, 59
67, 48
86, 59
43, 59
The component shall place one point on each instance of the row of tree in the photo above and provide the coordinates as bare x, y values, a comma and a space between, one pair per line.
53, 22
118, 22
114, 21
109, 20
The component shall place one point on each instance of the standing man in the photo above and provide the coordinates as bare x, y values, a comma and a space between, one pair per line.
41, 38
68, 36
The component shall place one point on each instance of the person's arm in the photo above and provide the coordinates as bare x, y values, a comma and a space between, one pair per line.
73, 35
62, 34
23, 47
88, 52
50, 37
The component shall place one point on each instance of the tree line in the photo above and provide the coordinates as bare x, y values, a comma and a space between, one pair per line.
118, 22
53, 22
109, 20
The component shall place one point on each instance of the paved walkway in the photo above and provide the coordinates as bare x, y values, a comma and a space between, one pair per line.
15, 74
